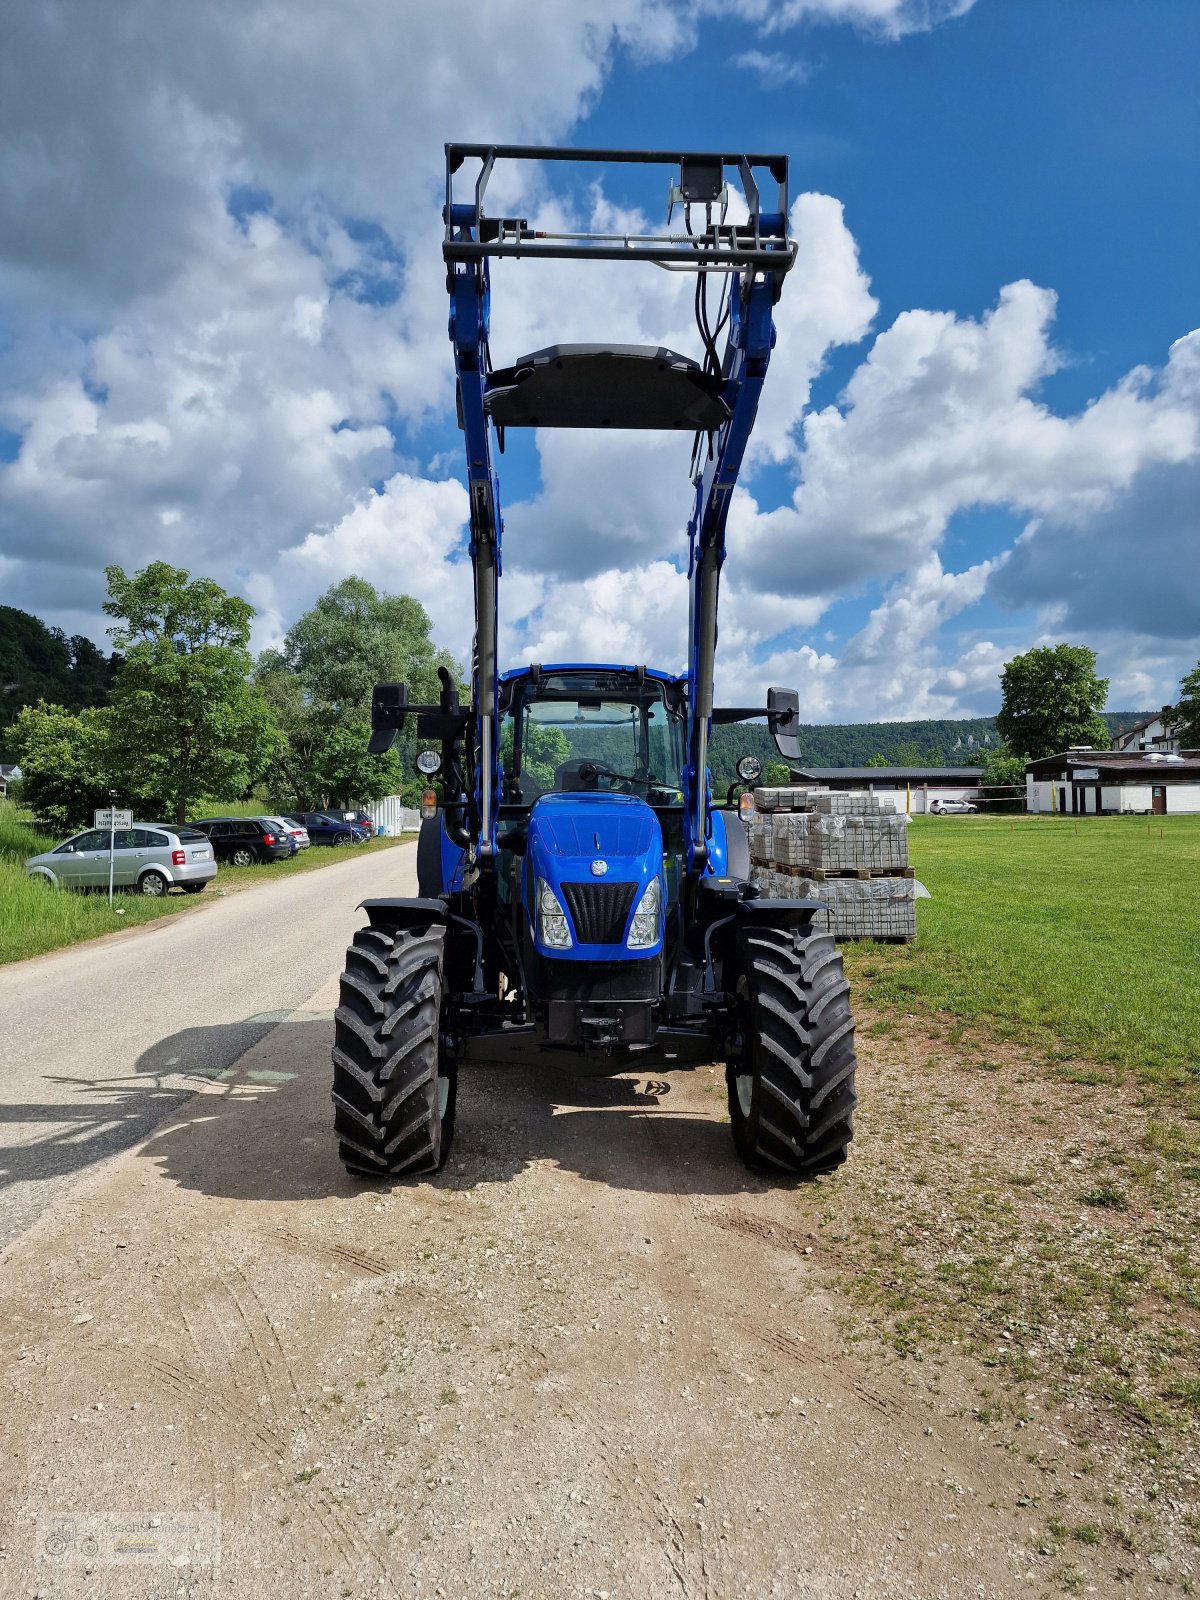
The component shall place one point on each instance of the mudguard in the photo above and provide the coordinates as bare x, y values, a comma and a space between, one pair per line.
439, 859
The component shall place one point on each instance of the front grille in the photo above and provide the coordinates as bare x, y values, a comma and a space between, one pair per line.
599, 911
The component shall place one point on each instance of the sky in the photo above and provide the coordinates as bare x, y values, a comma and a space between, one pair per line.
223, 326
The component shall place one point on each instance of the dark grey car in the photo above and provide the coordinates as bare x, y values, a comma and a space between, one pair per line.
150, 857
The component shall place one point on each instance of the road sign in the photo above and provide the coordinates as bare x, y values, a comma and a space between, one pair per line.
113, 819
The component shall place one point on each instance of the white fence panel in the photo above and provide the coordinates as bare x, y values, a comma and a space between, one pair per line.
392, 816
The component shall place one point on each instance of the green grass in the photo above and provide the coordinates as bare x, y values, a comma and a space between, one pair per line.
1083, 935
36, 918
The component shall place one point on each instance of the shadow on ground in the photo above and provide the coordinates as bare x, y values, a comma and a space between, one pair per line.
266, 1131
89, 1120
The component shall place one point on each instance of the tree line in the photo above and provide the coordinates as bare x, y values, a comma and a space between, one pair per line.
180, 716
186, 719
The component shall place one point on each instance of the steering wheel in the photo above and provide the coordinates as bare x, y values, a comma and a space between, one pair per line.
581, 772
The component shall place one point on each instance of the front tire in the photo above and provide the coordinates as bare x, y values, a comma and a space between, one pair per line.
792, 1095
393, 1095
343, 838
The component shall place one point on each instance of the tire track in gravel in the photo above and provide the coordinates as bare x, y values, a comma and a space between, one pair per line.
587, 1424
684, 1217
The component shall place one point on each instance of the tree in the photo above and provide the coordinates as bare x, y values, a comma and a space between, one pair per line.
1051, 700
67, 763
319, 686
187, 727
877, 761
41, 663
1188, 710
355, 637
908, 754
1004, 779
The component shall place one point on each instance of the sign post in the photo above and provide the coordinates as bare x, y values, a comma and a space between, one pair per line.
112, 819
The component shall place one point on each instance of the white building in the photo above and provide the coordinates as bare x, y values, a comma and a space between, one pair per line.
1159, 732
1082, 783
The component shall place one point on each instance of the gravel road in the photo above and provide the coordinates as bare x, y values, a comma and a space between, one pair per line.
100, 1041
594, 1357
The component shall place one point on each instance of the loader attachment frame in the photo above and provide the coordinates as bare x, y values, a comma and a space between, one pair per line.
616, 385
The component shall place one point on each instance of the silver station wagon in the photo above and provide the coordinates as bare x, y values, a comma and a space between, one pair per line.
150, 857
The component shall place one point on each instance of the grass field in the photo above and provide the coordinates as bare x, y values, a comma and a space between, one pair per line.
1081, 936
35, 918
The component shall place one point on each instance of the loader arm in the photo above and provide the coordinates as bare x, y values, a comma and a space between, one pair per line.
606, 386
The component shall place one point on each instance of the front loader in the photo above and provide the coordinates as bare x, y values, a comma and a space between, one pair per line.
583, 900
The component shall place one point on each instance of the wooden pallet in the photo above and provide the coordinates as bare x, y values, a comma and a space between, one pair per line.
820, 874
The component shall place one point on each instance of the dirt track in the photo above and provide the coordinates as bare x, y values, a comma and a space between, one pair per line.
595, 1357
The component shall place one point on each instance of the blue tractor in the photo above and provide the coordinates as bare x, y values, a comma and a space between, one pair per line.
584, 901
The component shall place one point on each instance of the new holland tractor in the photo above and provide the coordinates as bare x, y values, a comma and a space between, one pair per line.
584, 901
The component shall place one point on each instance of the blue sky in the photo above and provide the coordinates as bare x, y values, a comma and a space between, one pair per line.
222, 326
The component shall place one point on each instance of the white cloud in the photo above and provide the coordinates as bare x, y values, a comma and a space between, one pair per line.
941, 417
886, 19
772, 67
227, 391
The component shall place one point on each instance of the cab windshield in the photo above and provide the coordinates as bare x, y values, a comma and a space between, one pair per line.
604, 732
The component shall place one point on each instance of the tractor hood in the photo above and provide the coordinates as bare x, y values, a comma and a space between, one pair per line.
598, 853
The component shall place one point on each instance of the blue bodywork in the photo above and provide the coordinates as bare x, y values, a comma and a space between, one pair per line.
567, 834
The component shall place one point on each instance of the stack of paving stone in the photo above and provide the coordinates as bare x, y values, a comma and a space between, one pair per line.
846, 849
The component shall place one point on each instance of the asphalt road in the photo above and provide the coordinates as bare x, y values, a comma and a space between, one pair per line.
101, 1041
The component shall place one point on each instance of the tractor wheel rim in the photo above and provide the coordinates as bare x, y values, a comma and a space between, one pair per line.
744, 1084
443, 1094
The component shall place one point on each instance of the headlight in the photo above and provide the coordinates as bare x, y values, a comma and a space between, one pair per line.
553, 928
643, 930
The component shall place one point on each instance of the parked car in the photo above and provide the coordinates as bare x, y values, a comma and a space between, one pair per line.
293, 830
151, 857
328, 827
244, 840
950, 808
360, 817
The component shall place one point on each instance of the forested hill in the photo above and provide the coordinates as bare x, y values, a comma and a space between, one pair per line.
41, 663
934, 742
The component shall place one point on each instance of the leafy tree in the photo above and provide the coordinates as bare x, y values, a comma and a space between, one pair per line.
1003, 780
877, 761
319, 685
1051, 700
355, 637
1188, 710
67, 762
187, 727
908, 754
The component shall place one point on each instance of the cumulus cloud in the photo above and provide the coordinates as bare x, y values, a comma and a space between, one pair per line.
943, 416
223, 313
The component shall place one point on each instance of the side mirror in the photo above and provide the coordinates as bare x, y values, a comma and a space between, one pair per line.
783, 722
389, 705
